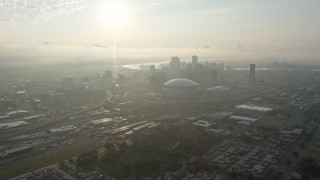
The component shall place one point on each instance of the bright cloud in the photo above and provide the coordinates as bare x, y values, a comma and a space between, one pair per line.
37, 10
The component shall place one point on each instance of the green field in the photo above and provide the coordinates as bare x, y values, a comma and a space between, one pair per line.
37, 161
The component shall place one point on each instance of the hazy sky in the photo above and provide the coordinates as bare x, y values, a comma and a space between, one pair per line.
275, 29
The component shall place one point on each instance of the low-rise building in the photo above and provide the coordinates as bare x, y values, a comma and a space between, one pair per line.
62, 129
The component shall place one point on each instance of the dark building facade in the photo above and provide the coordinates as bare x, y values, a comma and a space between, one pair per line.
252, 72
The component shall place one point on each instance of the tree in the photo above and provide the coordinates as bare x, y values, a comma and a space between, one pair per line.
288, 162
111, 158
313, 113
246, 138
198, 164
309, 168
87, 160
302, 144
109, 146
62, 164
295, 154
71, 161
123, 147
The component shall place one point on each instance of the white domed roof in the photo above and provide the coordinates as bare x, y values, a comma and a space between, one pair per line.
218, 89
181, 83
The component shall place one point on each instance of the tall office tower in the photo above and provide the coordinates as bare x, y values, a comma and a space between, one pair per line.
107, 77
213, 66
229, 68
199, 68
67, 81
152, 68
206, 66
194, 59
220, 67
86, 79
189, 67
252, 72
213, 75
183, 66
175, 66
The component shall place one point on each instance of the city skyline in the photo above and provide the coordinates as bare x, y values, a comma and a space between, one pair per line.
159, 89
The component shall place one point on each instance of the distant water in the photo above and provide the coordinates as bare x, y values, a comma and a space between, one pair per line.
263, 69
158, 65
137, 66
314, 69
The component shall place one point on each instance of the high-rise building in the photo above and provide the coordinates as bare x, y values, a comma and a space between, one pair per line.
252, 72
206, 65
152, 68
98, 77
183, 66
86, 79
213, 66
194, 59
189, 67
121, 79
212, 76
175, 58
199, 68
220, 67
67, 81
175, 66
107, 77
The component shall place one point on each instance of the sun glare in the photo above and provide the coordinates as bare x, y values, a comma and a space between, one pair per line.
115, 14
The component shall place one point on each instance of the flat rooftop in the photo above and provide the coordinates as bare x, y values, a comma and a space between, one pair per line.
101, 121
254, 108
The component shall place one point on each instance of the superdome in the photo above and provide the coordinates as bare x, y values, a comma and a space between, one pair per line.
181, 83
218, 89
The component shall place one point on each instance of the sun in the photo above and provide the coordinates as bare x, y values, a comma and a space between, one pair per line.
115, 14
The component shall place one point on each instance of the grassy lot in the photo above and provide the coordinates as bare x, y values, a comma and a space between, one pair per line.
275, 124
53, 156
312, 148
192, 110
